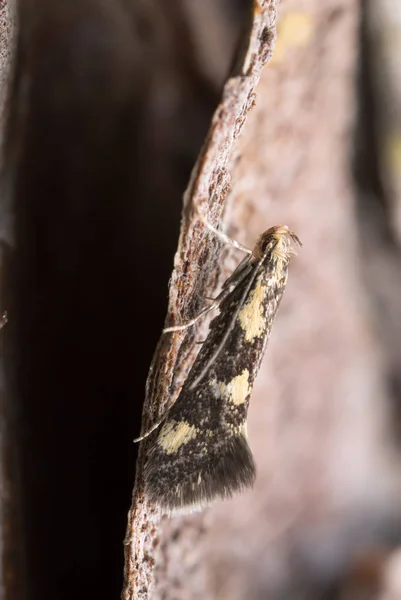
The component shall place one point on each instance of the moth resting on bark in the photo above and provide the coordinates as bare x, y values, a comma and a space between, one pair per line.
200, 452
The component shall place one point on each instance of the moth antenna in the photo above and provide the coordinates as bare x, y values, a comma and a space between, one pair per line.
231, 325
238, 275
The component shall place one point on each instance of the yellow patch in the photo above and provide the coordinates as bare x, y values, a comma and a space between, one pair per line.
236, 391
239, 388
174, 434
251, 316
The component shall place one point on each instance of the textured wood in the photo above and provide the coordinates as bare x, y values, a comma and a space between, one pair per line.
195, 270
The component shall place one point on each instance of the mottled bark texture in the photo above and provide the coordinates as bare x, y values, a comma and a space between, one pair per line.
324, 511
194, 277
110, 104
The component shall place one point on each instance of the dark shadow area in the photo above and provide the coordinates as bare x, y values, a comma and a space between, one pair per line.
97, 159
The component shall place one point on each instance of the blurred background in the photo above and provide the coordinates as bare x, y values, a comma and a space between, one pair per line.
106, 110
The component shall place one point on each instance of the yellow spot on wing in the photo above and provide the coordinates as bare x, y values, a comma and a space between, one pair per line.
251, 317
174, 434
239, 388
235, 391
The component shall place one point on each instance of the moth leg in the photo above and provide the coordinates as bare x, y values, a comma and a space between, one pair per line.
162, 418
239, 274
203, 312
224, 238
152, 429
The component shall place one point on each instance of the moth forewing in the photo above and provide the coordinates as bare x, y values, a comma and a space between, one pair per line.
201, 452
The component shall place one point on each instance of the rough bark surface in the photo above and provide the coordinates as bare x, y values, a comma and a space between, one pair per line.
194, 275
318, 413
320, 152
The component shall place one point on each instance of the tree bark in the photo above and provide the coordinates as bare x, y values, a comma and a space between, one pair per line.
318, 422
119, 97
194, 277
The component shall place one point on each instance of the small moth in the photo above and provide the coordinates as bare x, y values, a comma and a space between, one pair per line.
201, 450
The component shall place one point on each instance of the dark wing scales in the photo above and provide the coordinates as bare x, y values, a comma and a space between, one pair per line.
201, 452
199, 474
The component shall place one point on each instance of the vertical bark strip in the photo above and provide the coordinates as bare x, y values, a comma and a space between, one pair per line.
193, 278
13, 580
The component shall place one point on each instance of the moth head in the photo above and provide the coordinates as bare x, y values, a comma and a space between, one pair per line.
277, 241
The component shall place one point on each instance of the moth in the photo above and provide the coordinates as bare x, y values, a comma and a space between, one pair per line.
201, 451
